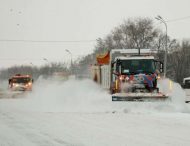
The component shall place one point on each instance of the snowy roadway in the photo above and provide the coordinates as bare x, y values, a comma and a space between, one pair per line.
54, 116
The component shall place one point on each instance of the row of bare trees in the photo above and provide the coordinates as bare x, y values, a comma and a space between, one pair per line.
179, 62
45, 71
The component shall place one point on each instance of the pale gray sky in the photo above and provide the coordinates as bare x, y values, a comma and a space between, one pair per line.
75, 20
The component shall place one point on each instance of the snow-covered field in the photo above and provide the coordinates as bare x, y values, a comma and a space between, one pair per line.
80, 113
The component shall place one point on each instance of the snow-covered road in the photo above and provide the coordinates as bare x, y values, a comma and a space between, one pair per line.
54, 116
96, 129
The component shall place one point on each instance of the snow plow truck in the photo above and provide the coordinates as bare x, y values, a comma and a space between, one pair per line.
21, 82
129, 74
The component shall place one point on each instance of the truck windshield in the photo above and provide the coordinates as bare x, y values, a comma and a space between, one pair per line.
137, 66
21, 80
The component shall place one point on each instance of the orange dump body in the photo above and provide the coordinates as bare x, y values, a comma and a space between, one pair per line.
103, 59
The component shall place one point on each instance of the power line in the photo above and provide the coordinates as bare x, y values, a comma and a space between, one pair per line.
74, 41
47, 41
178, 19
18, 59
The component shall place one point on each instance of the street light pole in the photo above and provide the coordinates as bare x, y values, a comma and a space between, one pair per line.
166, 45
45, 59
70, 54
31, 64
71, 59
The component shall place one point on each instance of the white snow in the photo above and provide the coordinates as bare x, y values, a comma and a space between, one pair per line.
80, 113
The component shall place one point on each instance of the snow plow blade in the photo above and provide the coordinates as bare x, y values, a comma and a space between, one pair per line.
138, 96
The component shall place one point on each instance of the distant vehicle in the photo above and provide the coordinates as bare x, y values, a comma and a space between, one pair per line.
20, 82
60, 76
186, 86
129, 74
186, 83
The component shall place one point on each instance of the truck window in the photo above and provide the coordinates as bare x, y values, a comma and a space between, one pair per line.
21, 80
138, 66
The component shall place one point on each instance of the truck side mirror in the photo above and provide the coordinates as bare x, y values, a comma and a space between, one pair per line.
120, 69
161, 67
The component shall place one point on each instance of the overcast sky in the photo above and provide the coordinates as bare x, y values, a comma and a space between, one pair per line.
75, 20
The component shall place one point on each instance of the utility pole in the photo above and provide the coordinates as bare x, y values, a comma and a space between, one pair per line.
45, 59
166, 45
71, 60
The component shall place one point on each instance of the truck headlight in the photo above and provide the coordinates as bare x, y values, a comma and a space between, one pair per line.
15, 85
28, 84
158, 77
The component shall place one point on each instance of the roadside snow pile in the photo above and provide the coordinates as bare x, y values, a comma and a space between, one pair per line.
176, 93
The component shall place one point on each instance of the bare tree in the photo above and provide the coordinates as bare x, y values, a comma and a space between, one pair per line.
179, 61
133, 33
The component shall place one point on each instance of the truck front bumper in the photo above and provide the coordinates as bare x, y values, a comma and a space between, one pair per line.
138, 96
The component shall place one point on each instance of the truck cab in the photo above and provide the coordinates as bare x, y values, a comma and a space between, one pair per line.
186, 87
139, 73
20, 82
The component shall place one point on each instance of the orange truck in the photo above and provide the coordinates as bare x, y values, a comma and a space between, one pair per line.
21, 82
